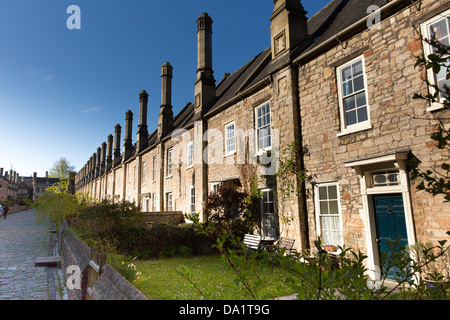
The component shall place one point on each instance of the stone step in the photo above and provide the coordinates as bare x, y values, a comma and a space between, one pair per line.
53, 261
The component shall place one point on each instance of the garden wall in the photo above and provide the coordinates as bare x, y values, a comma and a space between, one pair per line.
110, 285
173, 218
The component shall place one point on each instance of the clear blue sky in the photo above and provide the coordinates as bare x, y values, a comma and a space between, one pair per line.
62, 91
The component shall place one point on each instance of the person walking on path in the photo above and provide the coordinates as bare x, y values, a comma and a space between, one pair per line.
1, 209
5, 211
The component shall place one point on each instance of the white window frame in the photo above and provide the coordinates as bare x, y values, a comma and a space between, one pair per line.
169, 170
146, 204
155, 168
215, 187
427, 51
260, 150
169, 204
155, 204
318, 214
143, 174
192, 200
272, 214
360, 126
262, 201
190, 155
230, 140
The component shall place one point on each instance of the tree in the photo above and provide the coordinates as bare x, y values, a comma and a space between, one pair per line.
61, 169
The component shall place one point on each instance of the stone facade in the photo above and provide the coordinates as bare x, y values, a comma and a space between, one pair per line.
15, 187
336, 84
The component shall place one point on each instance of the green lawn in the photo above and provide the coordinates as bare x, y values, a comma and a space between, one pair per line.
159, 280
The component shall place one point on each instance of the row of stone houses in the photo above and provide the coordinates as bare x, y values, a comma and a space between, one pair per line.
8, 185
340, 85
16, 187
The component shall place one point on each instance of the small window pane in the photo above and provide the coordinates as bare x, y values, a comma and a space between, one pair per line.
332, 192
380, 179
349, 103
346, 73
323, 207
323, 193
362, 114
351, 118
361, 99
358, 83
334, 207
347, 88
357, 69
439, 29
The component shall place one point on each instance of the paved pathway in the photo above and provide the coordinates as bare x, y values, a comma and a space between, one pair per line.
22, 239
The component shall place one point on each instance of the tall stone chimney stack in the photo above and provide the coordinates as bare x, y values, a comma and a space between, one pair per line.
205, 86
98, 162
117, 134
103, 159
165, 119
142, 134
109, 152
128, 143
288, 26
93, 160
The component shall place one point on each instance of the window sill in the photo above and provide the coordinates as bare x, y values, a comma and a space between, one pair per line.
168, 177
229, 154
189, 167
356, 128
435, 106
263, 151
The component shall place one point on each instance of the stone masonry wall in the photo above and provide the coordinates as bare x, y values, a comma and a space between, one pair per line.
109, 286
397, 121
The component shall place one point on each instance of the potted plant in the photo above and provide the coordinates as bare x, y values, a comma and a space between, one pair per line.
330, 248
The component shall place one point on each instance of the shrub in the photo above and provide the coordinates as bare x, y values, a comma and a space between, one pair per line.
232, 211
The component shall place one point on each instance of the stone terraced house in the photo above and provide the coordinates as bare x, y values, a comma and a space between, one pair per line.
340, 85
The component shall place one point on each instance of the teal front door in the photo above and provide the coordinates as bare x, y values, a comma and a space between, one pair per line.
391, 224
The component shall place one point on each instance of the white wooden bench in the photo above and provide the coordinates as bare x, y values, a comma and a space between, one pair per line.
252, 242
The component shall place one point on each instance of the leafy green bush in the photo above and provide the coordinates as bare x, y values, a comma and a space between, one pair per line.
232, 211
162, 240
119, 227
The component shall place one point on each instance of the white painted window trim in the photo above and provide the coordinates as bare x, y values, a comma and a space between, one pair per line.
214, 185
362, 125
169, 166
260, 151
188, 155
143, 174
229, 153
427, 51
167, 201
155, 204
155, 168
317, 210
192, 188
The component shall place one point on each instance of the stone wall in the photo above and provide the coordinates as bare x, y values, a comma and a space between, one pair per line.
174, 218
109, 286
398, 122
